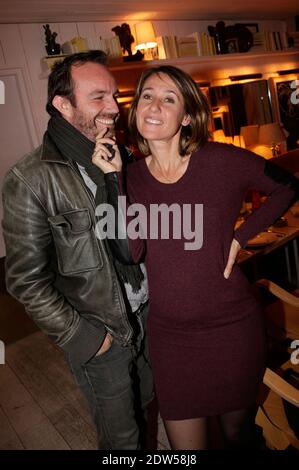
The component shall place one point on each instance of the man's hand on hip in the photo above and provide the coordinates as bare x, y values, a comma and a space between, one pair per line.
106, 344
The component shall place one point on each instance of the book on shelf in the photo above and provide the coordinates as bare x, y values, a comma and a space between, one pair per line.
187, 46
111, 46
205, 43
77, 44
195, 44
269, 41
167, 47
294, 36
202, 44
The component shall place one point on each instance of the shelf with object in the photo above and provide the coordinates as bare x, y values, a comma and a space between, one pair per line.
50, 60
216, 68
202, 68
214, 72
211, 71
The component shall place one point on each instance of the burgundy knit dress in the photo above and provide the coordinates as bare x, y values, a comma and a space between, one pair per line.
206, 336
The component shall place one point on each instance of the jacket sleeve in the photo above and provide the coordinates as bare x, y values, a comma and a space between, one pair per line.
281, 188
30, 278
126, 249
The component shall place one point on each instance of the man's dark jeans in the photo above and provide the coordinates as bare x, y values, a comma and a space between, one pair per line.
118, 386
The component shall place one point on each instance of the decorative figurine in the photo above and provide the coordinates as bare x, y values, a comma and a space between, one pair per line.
126, 39
52, 47
233, 38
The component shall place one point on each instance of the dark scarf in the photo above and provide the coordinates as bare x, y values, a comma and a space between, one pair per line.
75, 146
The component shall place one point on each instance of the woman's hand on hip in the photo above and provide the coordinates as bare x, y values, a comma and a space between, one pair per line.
106, 154
233, 252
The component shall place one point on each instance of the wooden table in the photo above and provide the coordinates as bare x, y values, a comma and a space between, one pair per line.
287, 237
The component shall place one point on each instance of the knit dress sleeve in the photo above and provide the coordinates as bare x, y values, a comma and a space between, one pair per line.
280, 187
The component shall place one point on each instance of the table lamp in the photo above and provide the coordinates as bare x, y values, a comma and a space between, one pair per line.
145, 38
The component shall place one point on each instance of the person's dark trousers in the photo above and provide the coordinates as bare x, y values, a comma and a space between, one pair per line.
118, 386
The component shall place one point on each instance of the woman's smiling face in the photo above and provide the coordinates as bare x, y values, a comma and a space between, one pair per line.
160, 111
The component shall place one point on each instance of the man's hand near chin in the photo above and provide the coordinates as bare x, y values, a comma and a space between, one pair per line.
103, 157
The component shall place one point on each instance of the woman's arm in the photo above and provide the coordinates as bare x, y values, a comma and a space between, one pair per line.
281, 188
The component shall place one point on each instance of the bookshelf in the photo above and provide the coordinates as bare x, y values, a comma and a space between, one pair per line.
215, 68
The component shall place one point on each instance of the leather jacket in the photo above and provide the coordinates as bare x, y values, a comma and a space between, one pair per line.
55, 265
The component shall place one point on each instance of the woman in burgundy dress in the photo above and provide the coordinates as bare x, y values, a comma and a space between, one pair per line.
207, 345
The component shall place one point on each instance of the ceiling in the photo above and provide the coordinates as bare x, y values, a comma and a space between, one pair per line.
40, 11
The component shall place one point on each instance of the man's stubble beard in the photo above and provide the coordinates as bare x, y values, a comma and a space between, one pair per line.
88, 128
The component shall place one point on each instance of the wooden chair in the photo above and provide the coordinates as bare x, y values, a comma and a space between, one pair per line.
272, 416
278, 397
282, 314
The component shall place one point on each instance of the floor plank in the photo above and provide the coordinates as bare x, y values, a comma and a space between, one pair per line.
30, 423
17, 403
9, 439
41, 406
49, 358
44, 436
45, 391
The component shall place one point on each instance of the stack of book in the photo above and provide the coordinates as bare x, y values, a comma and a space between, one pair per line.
111, 46
205, 44
195, 44
269, 41
75, 45
167, 47
295, 38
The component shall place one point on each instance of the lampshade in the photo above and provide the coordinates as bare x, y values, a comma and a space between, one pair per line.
250, 134
145, 35
270, 133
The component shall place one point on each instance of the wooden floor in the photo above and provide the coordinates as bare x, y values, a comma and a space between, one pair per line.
40, 405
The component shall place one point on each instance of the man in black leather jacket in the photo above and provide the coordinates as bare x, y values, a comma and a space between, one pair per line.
56, 266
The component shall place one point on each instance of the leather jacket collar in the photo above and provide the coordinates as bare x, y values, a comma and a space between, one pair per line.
50, 153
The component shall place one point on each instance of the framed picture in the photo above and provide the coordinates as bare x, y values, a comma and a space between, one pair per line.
285, 108
281, 91
253, 27
232, 45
